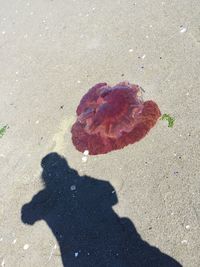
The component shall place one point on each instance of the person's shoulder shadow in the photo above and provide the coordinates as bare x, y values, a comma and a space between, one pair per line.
78, 210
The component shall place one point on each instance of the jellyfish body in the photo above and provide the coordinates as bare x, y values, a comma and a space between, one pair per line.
109, 118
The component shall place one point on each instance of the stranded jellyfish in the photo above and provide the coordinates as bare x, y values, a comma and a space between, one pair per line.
110, 118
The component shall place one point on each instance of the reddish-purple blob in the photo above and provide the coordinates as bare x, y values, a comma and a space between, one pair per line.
110, 118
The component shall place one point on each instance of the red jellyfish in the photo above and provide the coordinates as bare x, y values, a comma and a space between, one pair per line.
110, 118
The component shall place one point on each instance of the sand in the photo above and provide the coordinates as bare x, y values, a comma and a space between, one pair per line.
51, 53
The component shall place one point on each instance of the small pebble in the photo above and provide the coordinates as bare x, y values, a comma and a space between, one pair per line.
37, 122
76, 254
86, 152
143, 56
184, 241
78, 81
183, 29
3, 32
26, 246
3, 263
72, 187
84, 159
14, 241
130, 50
187, 227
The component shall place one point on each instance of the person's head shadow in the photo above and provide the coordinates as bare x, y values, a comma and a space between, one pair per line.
78, 210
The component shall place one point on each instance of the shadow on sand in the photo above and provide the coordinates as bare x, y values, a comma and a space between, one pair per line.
78, 210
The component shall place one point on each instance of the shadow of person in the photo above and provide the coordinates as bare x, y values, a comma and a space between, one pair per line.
78, 210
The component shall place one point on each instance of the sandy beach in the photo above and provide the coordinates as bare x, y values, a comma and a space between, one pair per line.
134, 207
